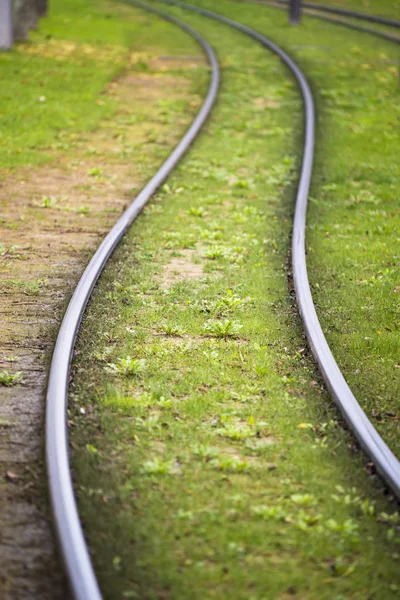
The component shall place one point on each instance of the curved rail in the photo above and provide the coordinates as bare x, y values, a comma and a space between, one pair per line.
348, 13
282, 5
386, 463
68, 527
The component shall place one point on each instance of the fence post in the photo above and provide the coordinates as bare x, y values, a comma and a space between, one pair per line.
294, 12
6, 27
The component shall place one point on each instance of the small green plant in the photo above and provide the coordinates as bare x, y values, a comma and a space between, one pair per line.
347, 528
214, 253
30, 288
152, 423
47, 201
236, 432
128, 366
206, 452
197, 211
33, 288
349, 498
268, 512
209, 234
222, 329
177, 240
224, 305
95, 172
231, 303
117, 563
242, 184
10, 251
229, 463
303, 499
91, 449
340, 568
304, 521
9, 379
393, 518
171, 330
157, 467
82, 210
185, 515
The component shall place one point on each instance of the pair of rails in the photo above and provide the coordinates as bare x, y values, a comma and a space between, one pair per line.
73, 547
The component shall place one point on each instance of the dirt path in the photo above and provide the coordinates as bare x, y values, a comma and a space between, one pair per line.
51, 220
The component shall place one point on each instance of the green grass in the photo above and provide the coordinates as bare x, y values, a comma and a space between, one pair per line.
389, 9
354, 216
53, 86
353, 219
383, 8
209, 461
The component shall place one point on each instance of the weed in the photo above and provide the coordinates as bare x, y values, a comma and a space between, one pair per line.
11, 251
268, 512
197, 211
204, 451
30, 288
128, 366
214, 253
224, 305
222, 329
95, 172
82, 210
47, 202
157, 467
33, 288
393, 518
9, 379
340, 568
229, 463
230, 303
236, 432
171, 330
303, 499
346, 528
304, 521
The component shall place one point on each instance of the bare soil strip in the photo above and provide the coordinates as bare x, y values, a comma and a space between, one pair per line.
51, 220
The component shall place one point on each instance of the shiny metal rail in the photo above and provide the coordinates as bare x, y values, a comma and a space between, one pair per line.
386, 463
74, 550
282, 5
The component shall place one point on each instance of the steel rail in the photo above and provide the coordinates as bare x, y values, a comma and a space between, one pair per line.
348, 13
283, 6
386, 463
74, 550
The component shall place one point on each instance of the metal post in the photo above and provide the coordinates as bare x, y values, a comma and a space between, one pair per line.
6, 37
294, 12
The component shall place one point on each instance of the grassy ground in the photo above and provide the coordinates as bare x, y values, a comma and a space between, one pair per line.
383, 8
56, 83
88, 108
354, 214
340, 19
209, 461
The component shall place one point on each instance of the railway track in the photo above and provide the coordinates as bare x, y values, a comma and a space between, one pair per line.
74, 551
347, 13
72, 542
310, 10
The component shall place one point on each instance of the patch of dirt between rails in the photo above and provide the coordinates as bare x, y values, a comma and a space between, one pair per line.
181, 268
51, 220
